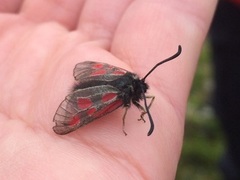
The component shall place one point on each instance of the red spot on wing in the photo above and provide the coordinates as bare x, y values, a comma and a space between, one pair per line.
119, 72
99, 72
109, 108
108, 96
91, 111
84, 103
98, 66
75, 120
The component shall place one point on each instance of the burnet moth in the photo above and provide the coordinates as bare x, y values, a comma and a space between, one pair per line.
102, 88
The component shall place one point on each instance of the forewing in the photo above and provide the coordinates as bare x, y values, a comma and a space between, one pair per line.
89, 70
83, 106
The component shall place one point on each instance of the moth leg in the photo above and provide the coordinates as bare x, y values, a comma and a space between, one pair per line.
139, 106
142, 108
152, 99
123, 125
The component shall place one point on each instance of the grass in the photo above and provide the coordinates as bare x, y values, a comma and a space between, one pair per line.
203, 140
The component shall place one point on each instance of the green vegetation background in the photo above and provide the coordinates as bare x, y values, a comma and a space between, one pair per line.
203, 140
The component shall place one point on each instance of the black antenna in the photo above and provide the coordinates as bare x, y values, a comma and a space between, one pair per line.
143, 93
166, 60
149, 116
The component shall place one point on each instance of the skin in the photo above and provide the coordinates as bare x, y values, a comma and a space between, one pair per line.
41, 41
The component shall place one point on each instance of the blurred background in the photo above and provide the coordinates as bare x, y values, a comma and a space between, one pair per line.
203, 141
211, 149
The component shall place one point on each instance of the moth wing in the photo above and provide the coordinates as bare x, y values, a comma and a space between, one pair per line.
85, 105
89, 70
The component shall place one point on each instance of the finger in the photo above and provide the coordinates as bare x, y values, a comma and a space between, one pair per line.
100, 18
61, 11
151, 32
10, 6
148, 32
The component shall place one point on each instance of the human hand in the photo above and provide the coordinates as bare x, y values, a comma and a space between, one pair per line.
40, 46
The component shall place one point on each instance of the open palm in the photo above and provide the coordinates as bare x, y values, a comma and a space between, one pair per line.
40, 46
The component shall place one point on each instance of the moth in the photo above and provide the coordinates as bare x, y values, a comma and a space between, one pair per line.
102, 88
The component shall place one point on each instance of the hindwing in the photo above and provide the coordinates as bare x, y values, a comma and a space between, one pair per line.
84, 105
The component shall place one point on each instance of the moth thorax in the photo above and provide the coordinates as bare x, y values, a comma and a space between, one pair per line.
139, 87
